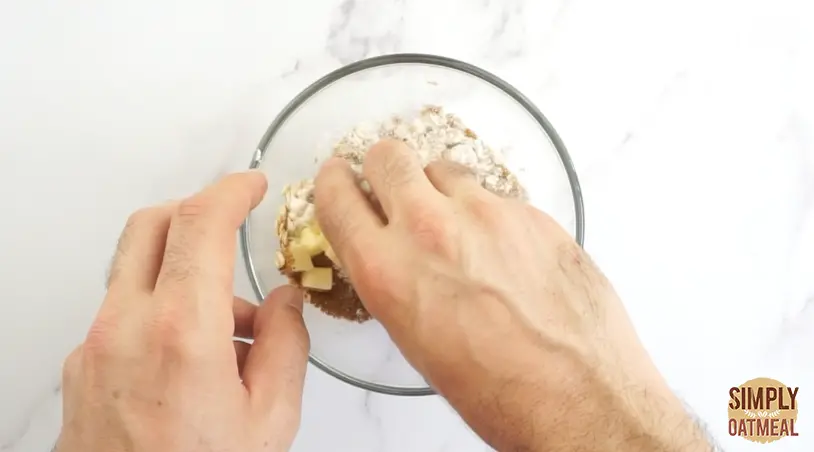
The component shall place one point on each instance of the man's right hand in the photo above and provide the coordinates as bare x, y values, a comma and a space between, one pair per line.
500, 310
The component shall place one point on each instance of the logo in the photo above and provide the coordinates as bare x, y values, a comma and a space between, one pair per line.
763, 410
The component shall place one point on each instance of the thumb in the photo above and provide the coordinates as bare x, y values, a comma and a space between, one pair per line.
274, 373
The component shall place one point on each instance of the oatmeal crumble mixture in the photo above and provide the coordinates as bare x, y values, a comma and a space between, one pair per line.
306, 257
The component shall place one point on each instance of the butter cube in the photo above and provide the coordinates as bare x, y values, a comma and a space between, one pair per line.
313, 241
301, 258
318, 279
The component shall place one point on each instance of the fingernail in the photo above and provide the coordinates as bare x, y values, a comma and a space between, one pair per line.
292, 296
259, 177
254, 172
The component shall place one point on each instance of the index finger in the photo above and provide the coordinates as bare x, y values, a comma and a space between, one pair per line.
200, 252
345, 215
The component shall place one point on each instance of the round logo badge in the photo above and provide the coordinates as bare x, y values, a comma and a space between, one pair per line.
763, 410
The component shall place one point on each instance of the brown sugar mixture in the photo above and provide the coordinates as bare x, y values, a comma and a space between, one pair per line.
305, 255
340, 300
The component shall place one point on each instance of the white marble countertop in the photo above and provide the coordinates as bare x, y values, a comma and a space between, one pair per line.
691, 125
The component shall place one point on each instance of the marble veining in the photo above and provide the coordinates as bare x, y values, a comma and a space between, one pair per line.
691, 125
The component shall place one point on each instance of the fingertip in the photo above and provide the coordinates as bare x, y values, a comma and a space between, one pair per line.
335, 162
389, 145
286, 295
331, 169
258, 185
70, 367
452, 178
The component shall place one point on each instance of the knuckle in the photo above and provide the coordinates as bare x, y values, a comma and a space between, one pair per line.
484, 209
193, 208
146, 217
140, 216
433, 232
99, 341
137, 218
177, 266
97, 354
425, 222
71, 365
171, 331
372, 274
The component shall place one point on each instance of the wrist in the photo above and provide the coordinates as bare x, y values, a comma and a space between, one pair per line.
595, 407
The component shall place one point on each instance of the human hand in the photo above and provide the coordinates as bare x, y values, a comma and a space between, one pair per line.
158, 370
500, 310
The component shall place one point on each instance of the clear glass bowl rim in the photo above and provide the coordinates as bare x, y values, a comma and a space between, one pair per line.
395, 59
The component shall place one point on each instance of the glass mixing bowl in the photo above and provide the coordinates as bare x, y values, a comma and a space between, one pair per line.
303, 134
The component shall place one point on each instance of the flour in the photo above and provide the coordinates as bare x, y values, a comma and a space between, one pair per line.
434, 135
